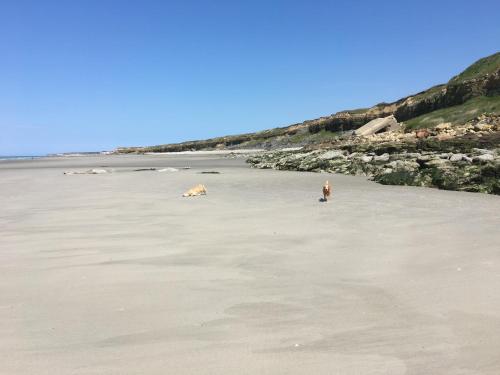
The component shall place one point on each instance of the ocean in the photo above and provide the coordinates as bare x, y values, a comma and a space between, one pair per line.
19, 157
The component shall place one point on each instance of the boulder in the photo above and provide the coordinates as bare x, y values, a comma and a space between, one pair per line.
384, 123
97, 171
445, 155
382, 158
484, 158
438, 162
403, 165
443, 126
483, 151
483, 127
168, 169
334, 154
456, 157
90, 171
423, 158
422, 133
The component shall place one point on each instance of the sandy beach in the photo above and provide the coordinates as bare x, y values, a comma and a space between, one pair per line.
116, 273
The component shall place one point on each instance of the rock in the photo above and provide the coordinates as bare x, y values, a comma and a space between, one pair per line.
367, 158
382, 158
169, 169
443, 126
422, 133
483, 151
403, 165
456, 157
467, 159
483, 127
90, 171
411, 155
334, 154
444, 137
423, 158
390, 123
436, 162
484, 158
444, 155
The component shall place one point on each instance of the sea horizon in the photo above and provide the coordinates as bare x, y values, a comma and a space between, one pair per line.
10, 157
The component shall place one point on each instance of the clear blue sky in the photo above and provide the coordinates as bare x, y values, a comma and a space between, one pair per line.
93, 75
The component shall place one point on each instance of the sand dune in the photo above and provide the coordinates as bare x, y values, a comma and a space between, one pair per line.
117, 273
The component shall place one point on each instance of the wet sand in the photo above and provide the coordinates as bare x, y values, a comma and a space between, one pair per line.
118, 274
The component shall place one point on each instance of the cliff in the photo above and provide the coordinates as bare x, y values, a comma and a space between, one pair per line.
480, 80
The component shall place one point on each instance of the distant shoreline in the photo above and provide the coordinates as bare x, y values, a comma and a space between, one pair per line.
110, 153
207, 152
21, 157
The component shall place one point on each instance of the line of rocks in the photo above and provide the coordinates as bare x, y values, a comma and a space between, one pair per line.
476, 170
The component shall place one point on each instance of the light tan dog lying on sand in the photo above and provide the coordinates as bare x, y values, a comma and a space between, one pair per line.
327, 191
197, 190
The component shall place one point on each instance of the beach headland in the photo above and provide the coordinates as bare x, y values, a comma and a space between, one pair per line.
117, 273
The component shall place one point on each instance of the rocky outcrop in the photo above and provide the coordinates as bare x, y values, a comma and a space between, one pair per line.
468, 162
478, 171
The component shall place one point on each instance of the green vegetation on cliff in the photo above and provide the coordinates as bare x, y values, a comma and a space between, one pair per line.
458, 114
486, 65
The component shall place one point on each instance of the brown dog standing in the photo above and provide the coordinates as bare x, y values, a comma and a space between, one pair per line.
327, 191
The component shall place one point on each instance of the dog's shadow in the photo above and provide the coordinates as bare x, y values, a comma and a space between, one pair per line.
323, 200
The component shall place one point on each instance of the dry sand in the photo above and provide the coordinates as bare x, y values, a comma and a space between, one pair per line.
118, 274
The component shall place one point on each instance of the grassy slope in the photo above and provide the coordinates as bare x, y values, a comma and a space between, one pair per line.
481, 67
294, 140
435, 90
458, 114
321, 136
